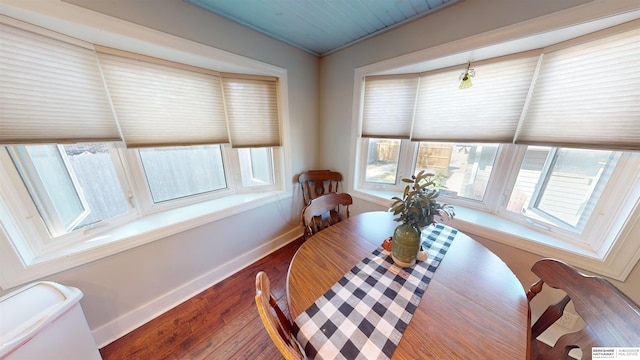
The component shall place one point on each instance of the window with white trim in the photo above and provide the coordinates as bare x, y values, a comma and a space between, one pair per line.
92, 141
73, 186
547, 138
552, 189
178, 172
560, 186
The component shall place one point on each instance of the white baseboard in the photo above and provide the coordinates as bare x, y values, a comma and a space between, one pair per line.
116, 328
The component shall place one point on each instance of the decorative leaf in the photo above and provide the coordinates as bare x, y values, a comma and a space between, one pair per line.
418, 204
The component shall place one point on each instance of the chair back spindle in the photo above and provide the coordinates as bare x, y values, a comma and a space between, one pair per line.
315, 183
324, 211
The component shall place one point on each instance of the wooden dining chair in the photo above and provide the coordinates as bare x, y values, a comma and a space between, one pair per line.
316, 183
612, 319
275, 321
325, 211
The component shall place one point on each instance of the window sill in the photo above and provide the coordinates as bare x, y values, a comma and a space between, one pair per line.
140, 231
617, 262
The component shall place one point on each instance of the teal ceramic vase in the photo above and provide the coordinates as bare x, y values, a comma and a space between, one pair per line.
406, 244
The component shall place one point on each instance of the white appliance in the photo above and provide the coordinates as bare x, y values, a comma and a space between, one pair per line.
44, 320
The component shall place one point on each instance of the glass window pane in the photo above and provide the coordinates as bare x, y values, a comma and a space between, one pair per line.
256, 166
94, 168
261, 165
51, 185
176, 172
561, 186
73, 188
463, 168
528, 176
382, 161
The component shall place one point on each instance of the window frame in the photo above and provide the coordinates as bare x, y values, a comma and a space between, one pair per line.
406, 167
538, 194
37, 188
39, 255
588, 236
33, 231
144, 198
601, 237
243, 170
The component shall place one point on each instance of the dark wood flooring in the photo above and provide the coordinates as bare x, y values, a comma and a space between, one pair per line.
222, 322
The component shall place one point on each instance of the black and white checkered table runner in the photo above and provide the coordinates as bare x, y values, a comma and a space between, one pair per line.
364, 315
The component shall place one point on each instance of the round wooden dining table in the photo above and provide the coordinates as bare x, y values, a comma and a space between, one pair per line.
473, 308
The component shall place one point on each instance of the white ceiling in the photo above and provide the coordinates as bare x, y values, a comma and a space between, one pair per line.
321, 27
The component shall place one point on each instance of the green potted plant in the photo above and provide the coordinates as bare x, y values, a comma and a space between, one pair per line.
417, 209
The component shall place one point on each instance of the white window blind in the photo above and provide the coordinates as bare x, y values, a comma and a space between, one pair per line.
159, 103
389, 104
583, 93
588, 95
51, 90
488, 111
252, 110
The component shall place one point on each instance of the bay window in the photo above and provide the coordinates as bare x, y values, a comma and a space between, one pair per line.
553, 189
544, 145
96, 140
